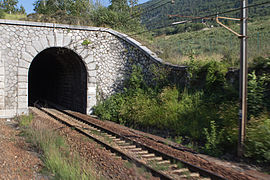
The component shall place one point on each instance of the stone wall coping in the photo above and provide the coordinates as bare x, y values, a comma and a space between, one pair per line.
122, 36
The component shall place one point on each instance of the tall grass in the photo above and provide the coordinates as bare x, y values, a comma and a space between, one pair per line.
15, 16
55, 152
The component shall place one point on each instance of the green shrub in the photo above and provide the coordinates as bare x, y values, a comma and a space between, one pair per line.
258, 139
109, 109
256, 89
213, 139
25, 120
2, 14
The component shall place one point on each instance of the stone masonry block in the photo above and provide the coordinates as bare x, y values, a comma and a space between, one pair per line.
2, 85
89, 59
84, 53
22, 98
91, 90
91, 66
37, 45
59, 39
31, 50
22, 79
23, 111
22, 92
67, 40
23, 104
24, 64
27, 57
44, 42
2, 71
22, 85
22, 71
51, 41
92, 73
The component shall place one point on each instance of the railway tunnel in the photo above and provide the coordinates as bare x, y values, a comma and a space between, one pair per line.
59, 76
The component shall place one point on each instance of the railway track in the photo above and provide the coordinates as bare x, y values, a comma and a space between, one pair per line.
158, 163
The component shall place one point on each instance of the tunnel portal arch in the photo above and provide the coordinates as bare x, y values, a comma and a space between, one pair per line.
58, 75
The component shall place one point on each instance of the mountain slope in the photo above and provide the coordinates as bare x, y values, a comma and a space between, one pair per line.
159, 16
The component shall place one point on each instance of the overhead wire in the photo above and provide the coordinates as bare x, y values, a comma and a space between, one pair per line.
207, 16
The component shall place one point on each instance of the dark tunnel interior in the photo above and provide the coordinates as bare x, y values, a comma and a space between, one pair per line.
58, 75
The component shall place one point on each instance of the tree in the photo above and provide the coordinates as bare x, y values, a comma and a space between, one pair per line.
22, 10
119, 6
81, 8
9, 6
52, 6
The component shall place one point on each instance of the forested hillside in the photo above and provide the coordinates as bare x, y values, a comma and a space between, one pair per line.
158, 17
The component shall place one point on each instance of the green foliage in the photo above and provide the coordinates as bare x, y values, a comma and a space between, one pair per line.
213, 139
256, 88
9, 6
56, 155
25, 120
110, 108
159, 17
214, 43
205, 111
258, 139
2, 14
86, 42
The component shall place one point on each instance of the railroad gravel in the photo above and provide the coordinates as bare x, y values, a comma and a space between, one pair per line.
106, 164
223, 168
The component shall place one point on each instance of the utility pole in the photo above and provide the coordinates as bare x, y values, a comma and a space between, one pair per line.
243, 80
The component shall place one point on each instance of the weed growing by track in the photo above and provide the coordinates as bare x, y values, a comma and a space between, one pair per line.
56, 156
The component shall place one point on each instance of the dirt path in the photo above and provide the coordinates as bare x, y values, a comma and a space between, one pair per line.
17, 160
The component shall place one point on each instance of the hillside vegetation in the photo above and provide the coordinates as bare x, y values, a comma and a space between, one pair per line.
217, 43
159, 17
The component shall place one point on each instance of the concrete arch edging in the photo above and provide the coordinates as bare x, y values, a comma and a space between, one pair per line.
48, 42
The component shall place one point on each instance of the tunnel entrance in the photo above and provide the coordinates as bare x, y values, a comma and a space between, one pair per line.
58, 75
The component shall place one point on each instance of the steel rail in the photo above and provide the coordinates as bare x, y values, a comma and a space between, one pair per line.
109, 147
190, 166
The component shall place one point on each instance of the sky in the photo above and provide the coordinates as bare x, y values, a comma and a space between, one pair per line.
28, 4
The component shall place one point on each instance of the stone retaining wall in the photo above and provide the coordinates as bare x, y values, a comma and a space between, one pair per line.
107, 55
